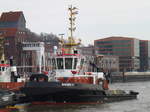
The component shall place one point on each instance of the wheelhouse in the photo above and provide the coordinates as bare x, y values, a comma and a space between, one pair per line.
3, 67
66, 62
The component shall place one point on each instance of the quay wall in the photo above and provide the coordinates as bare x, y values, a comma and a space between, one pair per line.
130, 78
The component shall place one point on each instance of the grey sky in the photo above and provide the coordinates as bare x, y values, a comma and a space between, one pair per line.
96, 19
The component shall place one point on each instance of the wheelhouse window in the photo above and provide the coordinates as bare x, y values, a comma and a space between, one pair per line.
68, 63
82, 62
54, 63
3, 68
60, 63
75, 63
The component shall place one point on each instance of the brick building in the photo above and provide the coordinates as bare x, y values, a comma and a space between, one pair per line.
13, 29
127, 49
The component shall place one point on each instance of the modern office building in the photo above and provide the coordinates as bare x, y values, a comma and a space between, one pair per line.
144, 55
127, 49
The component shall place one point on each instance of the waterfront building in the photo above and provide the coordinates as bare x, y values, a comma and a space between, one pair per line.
89, 53
127, 49
144, 55
87, 50
13, 29
33, 57
1, 48
104, 63
108, 63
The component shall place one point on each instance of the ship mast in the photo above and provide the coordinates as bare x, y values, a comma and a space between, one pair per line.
71, 43
72, 12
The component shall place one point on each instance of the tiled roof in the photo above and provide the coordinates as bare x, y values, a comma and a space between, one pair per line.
8, 32
10, 16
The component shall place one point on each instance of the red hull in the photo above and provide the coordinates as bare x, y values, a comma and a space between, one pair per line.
11, 85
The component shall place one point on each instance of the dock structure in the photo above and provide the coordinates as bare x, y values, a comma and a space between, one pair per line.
39, 48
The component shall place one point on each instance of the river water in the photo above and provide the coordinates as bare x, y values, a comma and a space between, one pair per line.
141, 104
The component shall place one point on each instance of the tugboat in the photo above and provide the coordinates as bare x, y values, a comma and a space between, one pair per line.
9, 83
8, 72
68, 81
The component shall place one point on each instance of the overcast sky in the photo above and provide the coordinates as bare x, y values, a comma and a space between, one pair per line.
96, 19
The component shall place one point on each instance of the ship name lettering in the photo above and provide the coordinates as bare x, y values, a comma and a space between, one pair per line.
67, 84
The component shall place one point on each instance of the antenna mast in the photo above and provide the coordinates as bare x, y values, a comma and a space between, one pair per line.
72, 13
71, 44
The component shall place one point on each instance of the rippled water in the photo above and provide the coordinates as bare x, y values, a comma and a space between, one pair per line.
141, 104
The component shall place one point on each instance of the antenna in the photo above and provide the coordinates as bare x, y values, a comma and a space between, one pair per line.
70, 44
72, 13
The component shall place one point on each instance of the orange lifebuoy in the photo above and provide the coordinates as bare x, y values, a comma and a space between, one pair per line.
105, 85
